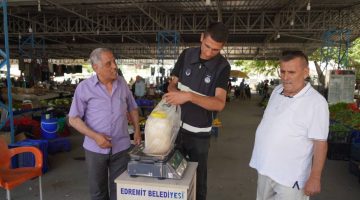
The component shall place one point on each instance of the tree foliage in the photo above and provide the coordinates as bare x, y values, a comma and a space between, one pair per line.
266, 67
354, 57
321, 55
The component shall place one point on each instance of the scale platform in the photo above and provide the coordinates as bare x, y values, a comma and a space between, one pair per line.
171, 165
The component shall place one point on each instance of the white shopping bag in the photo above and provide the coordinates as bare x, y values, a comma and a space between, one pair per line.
161, 128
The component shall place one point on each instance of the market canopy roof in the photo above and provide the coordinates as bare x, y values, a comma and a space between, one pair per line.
259, 29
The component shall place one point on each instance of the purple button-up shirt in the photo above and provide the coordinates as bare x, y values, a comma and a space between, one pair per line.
104, 113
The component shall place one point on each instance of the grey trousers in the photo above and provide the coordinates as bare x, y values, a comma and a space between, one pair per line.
268, 189
102, 171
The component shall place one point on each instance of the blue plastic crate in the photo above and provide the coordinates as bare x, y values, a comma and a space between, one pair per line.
355, 151
355, 136
139, 102
15, 159
59, 145
354, 168
144, 102
28, 159
338, 151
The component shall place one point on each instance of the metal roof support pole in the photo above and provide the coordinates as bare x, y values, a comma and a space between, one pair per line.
6, 61
336, 43
167, 43
34, 49
41, 54
27, 46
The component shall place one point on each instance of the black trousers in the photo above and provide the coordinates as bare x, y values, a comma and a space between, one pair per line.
103, 169
196, 148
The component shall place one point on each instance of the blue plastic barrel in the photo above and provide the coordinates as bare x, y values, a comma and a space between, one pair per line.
49, 128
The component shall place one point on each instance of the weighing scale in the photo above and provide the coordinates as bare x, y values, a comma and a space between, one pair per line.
171, 165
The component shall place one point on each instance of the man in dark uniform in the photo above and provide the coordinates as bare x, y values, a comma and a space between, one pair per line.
199, 85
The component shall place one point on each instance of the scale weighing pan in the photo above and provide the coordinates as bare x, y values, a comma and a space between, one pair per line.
171, 165
137, 154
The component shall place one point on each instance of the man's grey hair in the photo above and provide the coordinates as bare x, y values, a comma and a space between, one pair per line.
95, 56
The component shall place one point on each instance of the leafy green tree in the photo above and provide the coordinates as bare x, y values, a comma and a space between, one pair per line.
88, 67
270, 67
353, 60
354, 57
317, 58
266, 67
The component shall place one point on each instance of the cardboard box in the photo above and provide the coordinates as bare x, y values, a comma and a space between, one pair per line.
7, 138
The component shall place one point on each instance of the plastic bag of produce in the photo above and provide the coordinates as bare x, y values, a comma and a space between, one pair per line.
161, 128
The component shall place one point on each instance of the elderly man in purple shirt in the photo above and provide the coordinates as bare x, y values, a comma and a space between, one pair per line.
99, 112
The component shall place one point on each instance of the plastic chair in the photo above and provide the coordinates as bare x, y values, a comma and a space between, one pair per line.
10, 178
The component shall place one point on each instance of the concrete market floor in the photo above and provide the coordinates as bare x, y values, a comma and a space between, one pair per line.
229, 176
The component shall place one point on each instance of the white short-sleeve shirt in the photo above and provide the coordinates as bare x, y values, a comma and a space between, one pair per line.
283, 148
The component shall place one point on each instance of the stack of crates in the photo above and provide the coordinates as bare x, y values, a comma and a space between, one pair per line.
354, 164
338, 150
355, 145
28, 159
51, 131
58, 145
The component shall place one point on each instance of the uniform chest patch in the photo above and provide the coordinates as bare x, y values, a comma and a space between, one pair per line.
207, 79
188, 72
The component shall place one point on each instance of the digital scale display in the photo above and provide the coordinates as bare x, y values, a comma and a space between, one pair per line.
176, 160
178, 163
171, 166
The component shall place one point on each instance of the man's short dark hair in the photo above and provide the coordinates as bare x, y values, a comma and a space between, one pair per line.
217, 31
289, 55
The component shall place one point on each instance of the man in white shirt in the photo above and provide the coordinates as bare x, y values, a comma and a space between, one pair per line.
290, 144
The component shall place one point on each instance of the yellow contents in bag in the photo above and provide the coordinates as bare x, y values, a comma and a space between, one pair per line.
161, 128
158, 114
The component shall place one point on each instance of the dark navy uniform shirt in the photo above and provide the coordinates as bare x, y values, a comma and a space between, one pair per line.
201, 77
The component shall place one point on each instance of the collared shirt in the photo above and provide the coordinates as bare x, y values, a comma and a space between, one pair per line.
283, 148
103, 112
201, 77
